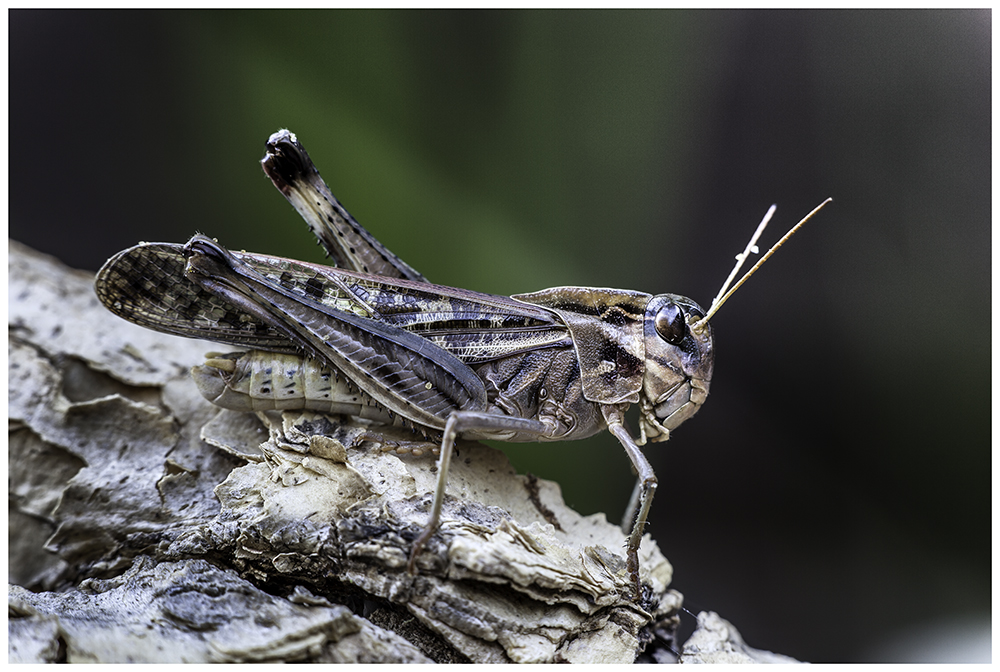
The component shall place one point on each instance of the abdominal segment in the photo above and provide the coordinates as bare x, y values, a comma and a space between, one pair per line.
265, 381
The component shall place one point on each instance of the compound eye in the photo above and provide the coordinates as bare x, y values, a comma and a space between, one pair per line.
670, 324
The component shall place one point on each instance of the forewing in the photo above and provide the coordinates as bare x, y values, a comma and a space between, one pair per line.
147, 285
407, 326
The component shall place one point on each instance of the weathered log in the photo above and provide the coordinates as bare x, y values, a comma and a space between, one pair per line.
149, 526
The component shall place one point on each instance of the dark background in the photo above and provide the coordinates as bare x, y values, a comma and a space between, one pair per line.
834, 493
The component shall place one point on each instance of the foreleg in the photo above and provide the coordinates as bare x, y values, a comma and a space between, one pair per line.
644, 491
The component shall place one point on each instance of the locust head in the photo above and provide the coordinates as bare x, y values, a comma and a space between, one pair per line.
679, 348
679, 362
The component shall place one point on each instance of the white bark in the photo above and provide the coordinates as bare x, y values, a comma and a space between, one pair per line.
154, 527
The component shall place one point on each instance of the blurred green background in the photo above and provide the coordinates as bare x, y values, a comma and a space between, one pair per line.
834, 494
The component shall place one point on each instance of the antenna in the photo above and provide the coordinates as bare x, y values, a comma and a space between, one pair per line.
699, 325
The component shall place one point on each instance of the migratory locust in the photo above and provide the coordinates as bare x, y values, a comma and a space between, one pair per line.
372, 339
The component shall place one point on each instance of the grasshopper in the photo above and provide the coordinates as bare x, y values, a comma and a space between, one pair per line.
371, 338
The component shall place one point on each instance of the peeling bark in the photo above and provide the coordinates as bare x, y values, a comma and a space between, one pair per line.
154, 527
